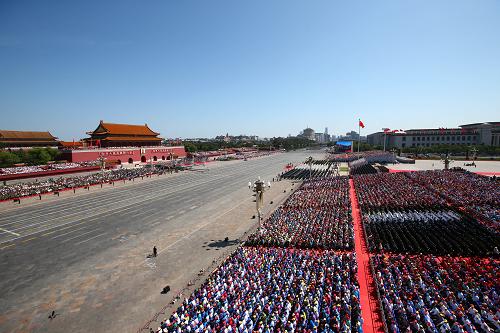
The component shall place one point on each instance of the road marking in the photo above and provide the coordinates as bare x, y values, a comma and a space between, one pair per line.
4, 247
83, 241
85, 233
70, 226
10, 232
210, 221
55, 237
29, 239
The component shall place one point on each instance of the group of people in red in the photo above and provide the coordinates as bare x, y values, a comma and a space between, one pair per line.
437, 267
478, 194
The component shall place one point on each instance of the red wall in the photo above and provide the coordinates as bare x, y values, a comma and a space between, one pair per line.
122, 154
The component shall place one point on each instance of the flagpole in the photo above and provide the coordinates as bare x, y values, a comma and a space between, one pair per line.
359, 134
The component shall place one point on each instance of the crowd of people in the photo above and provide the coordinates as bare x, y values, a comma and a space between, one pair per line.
18, 190
360, 167
316, 215
260, 289
303, 173
429, 294
478, 194
393, 191
439, 232
372, 156
40, 168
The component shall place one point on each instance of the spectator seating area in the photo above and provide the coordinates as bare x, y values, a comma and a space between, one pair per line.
261, 289
300, 285
440, 232
302, 172
400, 215
425, 293
393, 191
360, 167
478, 195
15, 191
40, 168
437, 269
316, 215
374, 156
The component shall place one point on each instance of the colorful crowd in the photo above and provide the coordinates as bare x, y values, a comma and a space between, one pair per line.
393, 190
260, 289
23, 189
316, 215
478, 194
432, 294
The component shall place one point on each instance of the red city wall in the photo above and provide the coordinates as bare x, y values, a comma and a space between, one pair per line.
124, 154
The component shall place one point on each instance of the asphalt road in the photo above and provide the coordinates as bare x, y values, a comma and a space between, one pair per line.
84, 255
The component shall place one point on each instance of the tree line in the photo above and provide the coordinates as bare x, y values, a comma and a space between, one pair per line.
33, 156
290, 143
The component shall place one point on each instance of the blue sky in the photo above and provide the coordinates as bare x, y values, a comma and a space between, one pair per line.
203, 68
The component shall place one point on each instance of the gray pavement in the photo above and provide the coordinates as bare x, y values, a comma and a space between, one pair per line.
84, 255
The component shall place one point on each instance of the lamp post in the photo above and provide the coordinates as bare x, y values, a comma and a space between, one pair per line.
474, 153
259, 189
447, 161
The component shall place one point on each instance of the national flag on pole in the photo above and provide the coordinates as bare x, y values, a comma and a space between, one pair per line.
361, 124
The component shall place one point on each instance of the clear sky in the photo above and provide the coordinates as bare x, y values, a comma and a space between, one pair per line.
270, 68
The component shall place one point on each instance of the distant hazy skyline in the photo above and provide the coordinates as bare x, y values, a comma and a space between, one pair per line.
268, 68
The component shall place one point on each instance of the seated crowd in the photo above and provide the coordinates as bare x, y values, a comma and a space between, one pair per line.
274, 290
478, 194
57, 184
430, 294
393, 190
40, 168
439, 232
303, 173
373, 156
317, 215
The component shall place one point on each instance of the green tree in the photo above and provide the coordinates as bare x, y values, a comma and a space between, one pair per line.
8, 159
38, 156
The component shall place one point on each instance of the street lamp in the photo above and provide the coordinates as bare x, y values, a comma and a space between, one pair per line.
259, 188
447, 161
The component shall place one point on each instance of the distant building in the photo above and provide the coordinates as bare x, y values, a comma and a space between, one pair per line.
487, 134
122, 135
308, 133
352, 136
125, 155
26, 139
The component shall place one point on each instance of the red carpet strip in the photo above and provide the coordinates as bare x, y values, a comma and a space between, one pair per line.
370, 309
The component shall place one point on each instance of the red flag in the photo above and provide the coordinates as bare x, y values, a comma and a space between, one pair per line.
387, 130
361, 124
394, 131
